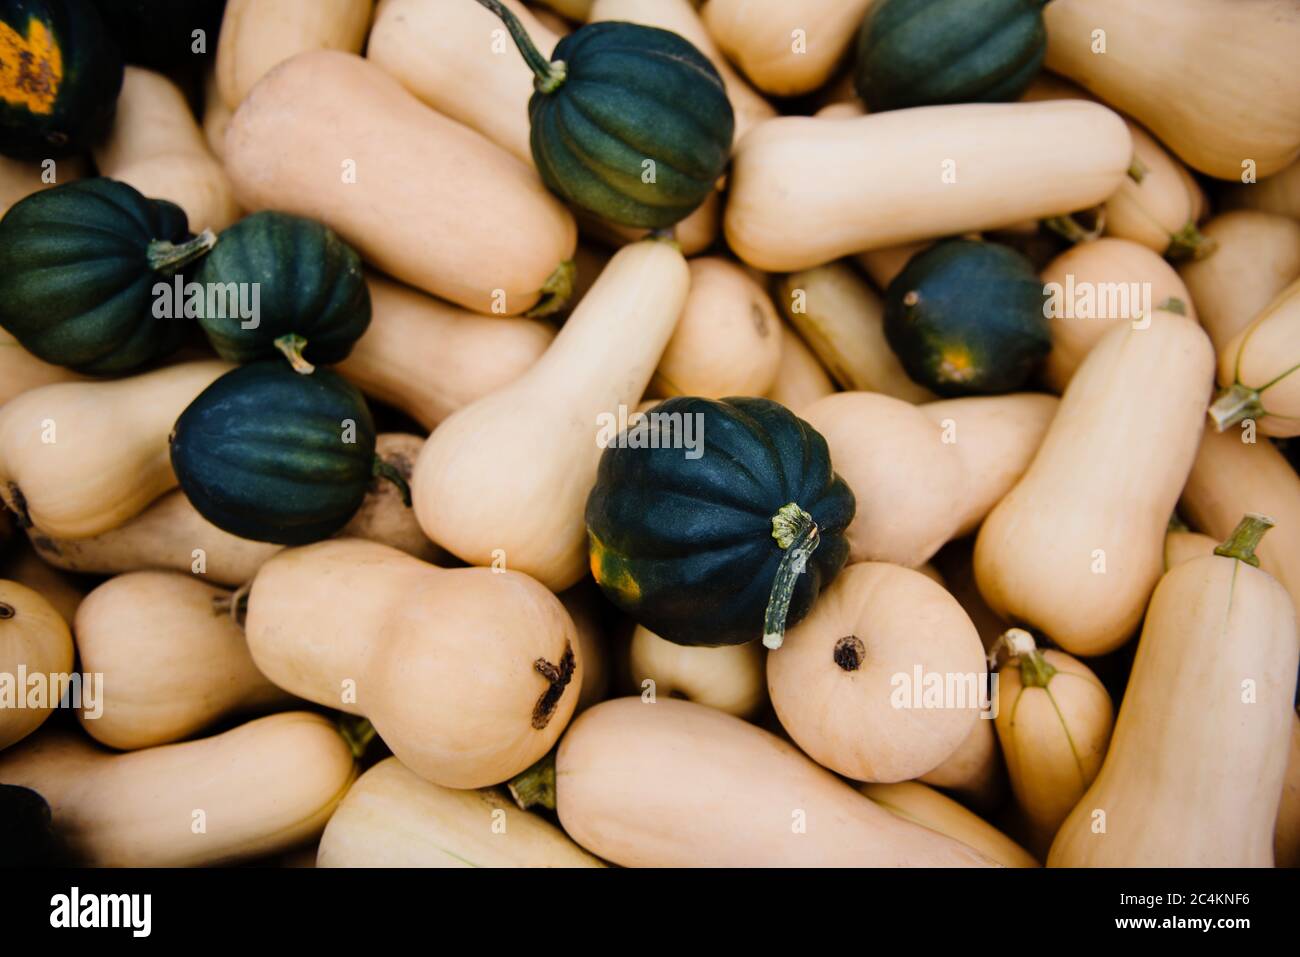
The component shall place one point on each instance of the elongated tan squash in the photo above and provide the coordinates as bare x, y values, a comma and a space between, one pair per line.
262, 787
1208, 706
1158, 209
805, 191
728, 677
1286, 839
508, 476
1259, 370
801, 379
1076, 547
392, 818
174, 661
331, 136
20, 370
1279, 193
81, 458
923, 805
676, 784
1244, 104
34, 643
19, 179
923, 475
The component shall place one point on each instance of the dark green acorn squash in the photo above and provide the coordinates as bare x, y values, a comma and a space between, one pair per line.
274, 456
160, 33
78, 267
60, 74
927, 52
965, 317
621, 104
726, 547
27, 837
313, 303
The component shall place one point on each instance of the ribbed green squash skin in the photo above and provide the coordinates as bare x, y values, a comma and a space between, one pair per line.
929, 52
685, 547
160, 33
309, 283
54, 106
76, 288
965, 317
632, 94
261, 453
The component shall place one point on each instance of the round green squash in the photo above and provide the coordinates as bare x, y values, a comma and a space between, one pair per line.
717, 522
27, 837
79, 264
630, 123
273, 456
60, 74
928, 52
966, 317
311, 295
160, 34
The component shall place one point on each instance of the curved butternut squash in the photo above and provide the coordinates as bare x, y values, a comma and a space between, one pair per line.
262, 787
393, 647
19, 179
332, 137
1160, 209
676, 784
1260, 370
1279, 193
34, 638
726, 677
508, 476
1208, 706
922, 805
81, 458
20, 370
801, 379
1245, 103
392, 818
805, 191
174, 661
1076, 547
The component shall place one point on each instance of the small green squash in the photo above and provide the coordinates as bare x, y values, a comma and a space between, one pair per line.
270, 455
160, 34
966, 317
717, 522
78, 268
27, 836
60, 74
928, 52
312, 299
631, 123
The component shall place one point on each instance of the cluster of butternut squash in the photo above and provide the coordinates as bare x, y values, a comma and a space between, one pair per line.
1049, 624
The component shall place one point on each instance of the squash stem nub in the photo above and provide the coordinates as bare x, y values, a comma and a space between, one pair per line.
292, 344
168, 257
536, 785
550, 75
381, 469
1235, 405
1190, 243
797, 533
1243, 541
1035, 670
555, 291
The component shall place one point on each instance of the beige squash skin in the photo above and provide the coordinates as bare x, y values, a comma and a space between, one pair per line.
109, 458
883, 265
264, 787
34, 636
383, 516
392, 818
1182, 546
726, 341
20, 178
499, 232
511, 472
22, 565
216, 116
173, 662
1257, 256
1279, 193
1185, 740
1265, 356
156, 146
1165, 203
21, 371
728, 677
805, 191
257, 35
922, 805
1106, 477
924, 475
1092, 265
974, 770
1286, 838
1213, 103
676, 784
371, 631
842, 319
844, 713
801, 379
577, 10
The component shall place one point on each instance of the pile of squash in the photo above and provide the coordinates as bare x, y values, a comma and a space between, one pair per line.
650, 432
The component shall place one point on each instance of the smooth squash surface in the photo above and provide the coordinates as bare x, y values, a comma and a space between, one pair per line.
33, 637
801, 379
728, 677
1259, 369
923, 805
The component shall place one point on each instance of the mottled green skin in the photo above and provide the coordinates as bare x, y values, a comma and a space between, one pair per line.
87, 93
27, 836
76, 288
685, 547
976, 326
160, 33
310, 283
928, 52
632, 93
261, 453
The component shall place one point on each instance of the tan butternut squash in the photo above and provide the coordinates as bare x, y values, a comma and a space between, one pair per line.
1182, 544
262, 787
1159, 206
577, 10
216, 116
585, 606
331, 136
21, 564
728, 677
35, 655
1076, 547
1259, 370
20, 370
393, 647
805, 191
1279, 193
19, 179
974, 771
882, 265
922, 805
1286, 838
801, 379
507, 477
1208, 706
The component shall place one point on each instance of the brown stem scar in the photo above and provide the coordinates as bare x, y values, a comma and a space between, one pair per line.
849, 652
558, 679
20, 505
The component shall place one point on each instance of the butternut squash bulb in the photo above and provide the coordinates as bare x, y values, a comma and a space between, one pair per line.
35, 646
1259, 370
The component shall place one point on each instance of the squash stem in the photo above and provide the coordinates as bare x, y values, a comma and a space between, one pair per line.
1243, 541
1234, 405
1190, 243
167, 257
358, 732
1137, 170
550, 75
1035, 671
292, 344
1071, 229
556, 291
536, 785
381, 469
797, 533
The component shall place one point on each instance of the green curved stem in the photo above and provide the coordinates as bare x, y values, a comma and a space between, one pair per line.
1190, 243
536, 785
1137, 170
292, 344
550, 75
381, 469
1172, 304
358, 732
556, 291
797, 533
1243, 541
1071, 229
167, 257
1235, 404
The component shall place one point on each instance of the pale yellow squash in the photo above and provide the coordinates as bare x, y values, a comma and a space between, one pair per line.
923, 805
727, 677
1159, 209
801, 379
1279, 193
1259, 370
35, 656
21, 564
216, 116
20, 370
883, 265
